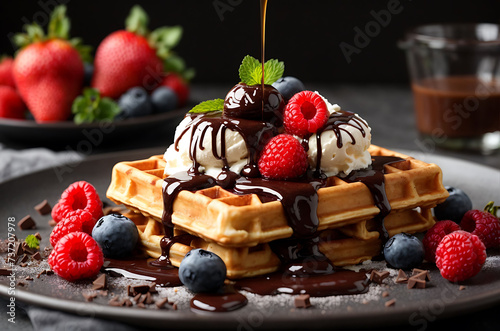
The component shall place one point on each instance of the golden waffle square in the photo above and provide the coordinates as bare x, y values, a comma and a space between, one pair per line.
343, 246
217, 215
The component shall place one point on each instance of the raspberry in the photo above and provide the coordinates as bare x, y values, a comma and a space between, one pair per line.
79, 195
75, 221
283, 158
484, 225
434, 236
305, 113
76, 256
460, 256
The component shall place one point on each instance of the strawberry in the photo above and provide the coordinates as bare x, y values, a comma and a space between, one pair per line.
11, 104
179, 85
49, 69
6, 77
134, 57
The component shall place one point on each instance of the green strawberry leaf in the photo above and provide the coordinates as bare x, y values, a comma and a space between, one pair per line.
208, 106
250, 71
59, 24
32, 241
91, 107
137, 21
85, 51
166, 37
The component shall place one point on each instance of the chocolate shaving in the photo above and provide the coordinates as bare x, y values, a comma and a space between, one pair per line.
26, 223
378, 277
101, 283
140, 305
89, 296
43, 208
302, 301
128, 303
115, 302
402, 277
28, 278
21, 283
149, 299
414, 282
421, 274
174, 306
5, 272
137, 297
390, 303
161, 303
24, 264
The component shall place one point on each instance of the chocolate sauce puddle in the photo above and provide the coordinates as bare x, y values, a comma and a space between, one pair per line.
227, 299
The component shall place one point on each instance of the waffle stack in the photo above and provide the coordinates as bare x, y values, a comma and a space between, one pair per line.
238, 228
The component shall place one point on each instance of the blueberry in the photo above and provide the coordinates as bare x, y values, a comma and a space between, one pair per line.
202, 271
454, 207
134, 103
116, 234
404, 251
164, 99
88, 70
288, 86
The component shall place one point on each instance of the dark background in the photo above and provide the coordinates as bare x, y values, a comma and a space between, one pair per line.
304, 34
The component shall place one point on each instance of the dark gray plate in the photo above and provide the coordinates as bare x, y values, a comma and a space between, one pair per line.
413, 307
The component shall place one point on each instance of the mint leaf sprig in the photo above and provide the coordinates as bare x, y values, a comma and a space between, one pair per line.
91, 107
208, 106
250, 71
32, 241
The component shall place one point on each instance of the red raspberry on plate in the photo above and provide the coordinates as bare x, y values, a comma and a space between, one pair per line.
283, 158
79, 195
484, 225
460, 256
76, 256
434, 235
305, 113
76, 221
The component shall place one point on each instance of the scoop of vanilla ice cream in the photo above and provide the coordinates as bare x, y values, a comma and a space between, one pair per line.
349, 157
177, 161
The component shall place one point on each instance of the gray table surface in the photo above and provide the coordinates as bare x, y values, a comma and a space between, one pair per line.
388, 110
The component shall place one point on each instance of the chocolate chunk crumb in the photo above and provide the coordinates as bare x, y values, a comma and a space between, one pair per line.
161, 303
143, 289
130, 291
385, 294
5, 272
174, 306
49, 272
421, 274
43, 208
142, 298
137, 297
414, 282
24, 258
140, 305
24, 264
101, 283
27, 249
52, 223
26, 223
378, 276
365, 302
302, 301
149, 299
38, 236
461, 288
115, 302
128, 303
152, 289
390, 303
37, 256
18, 250
21, 283
402, 277
89, 296
103, 293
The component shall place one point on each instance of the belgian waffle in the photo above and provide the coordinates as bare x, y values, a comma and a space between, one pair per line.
230, 220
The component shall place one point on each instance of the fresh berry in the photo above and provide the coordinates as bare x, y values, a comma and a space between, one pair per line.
164, 99
289, 86
6, 77
404, 251
484, 225
283, 158
202, 271
305, 113
434, 235
88, 69
76, 256
460, 256
79, 195
179, 85
67, 225
49, 71
135, 103
454, 207
116, 234
11, 104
